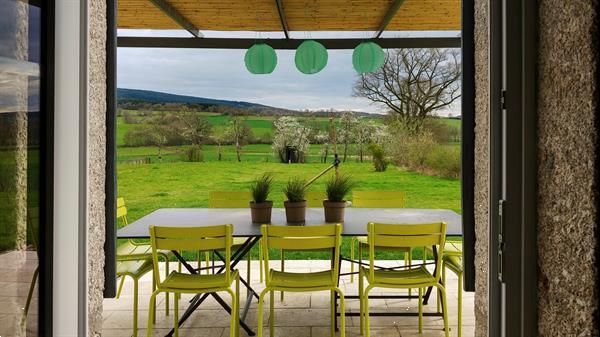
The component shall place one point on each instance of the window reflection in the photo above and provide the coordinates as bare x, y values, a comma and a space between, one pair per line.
19, 166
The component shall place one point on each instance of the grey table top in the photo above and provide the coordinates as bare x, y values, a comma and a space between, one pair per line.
355, 223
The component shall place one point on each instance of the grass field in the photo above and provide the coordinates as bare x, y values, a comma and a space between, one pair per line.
174, 182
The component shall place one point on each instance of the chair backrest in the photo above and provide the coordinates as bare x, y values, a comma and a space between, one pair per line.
405, 235
315, 198
229, 199
122, 211
299, 238
195, 239
379, 199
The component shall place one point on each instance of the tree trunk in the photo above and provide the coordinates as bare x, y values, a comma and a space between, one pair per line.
361, 153
238, 149
345, 151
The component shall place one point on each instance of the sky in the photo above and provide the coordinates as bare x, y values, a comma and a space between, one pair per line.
221, 74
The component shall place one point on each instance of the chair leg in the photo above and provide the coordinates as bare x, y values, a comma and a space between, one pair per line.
352, 242
360, 299
151, 314
459, 328
444, 283
282, 267
166, 293
407, 262
176, 315
342, 312
420, 310
120, 286
207, 259
237, 306
154, 288
30, 295
272, 314
260, 260
261, 312
234, 313
135, 307
248, 274
444, 308
366, 309
332, 322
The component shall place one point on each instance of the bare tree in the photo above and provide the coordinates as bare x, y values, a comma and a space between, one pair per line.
413, 83
195, 127
348, 122
240, 132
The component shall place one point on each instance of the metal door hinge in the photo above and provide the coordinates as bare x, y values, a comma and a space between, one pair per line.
500, 239
503, 99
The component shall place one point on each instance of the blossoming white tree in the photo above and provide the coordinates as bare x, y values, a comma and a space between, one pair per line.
289, 132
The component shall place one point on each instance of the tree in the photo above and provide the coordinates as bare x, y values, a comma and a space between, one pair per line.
413, 83
290, 133
240, 133
219, 139
348, 122
195, 128
363, 134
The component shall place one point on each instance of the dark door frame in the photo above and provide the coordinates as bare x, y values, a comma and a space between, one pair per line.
513, 169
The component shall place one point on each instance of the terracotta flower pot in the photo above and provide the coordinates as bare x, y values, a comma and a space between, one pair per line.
261, 212
295, 211
334, 210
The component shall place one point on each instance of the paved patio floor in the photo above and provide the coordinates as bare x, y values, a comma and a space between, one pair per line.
300, 314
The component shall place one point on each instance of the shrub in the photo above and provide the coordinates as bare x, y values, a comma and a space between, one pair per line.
410, 149
380, 162
294, 190
130, 118
138, 136
194, 154
444, 161
261, 187
338, 187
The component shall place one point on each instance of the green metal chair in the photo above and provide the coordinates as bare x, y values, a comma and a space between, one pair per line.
402, 235
376, 199
195, 239
452, 260
134, 251
301, 238
136, 269
234, 199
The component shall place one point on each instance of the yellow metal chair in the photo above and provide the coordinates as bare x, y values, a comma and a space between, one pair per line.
452, 259
402, 235
301, 238
313, 199
234, 199
134, 251
376, 199
136, 269
195, 239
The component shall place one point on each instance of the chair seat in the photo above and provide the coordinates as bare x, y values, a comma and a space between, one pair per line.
364, 241
129, 251
450, 248
301, 280
454, 263
181, 281
401, 277
237, 242
134, 268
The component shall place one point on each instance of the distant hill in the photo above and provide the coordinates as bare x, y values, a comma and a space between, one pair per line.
125, 95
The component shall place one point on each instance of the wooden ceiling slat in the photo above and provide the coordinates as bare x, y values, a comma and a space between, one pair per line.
301, 15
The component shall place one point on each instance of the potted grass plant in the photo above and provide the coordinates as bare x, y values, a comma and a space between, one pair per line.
337, 188
260, 206
295, 205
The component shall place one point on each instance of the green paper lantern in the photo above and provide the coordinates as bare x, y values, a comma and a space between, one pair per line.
368, 57
260, 59
311, 57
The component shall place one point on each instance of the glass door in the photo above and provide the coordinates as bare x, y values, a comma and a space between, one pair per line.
22, 161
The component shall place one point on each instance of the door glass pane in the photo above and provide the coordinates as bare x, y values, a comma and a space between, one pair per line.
19, 166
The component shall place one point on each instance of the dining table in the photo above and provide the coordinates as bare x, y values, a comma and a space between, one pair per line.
354, 224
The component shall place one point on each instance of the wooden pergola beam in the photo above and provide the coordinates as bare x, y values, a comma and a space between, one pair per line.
171, 12
284, 24
389, 15
290, 44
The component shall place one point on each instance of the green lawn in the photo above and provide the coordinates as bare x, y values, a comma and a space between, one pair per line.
182, 184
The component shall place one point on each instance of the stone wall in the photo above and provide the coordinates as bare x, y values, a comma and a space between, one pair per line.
96, 161
481, 166
567, 205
